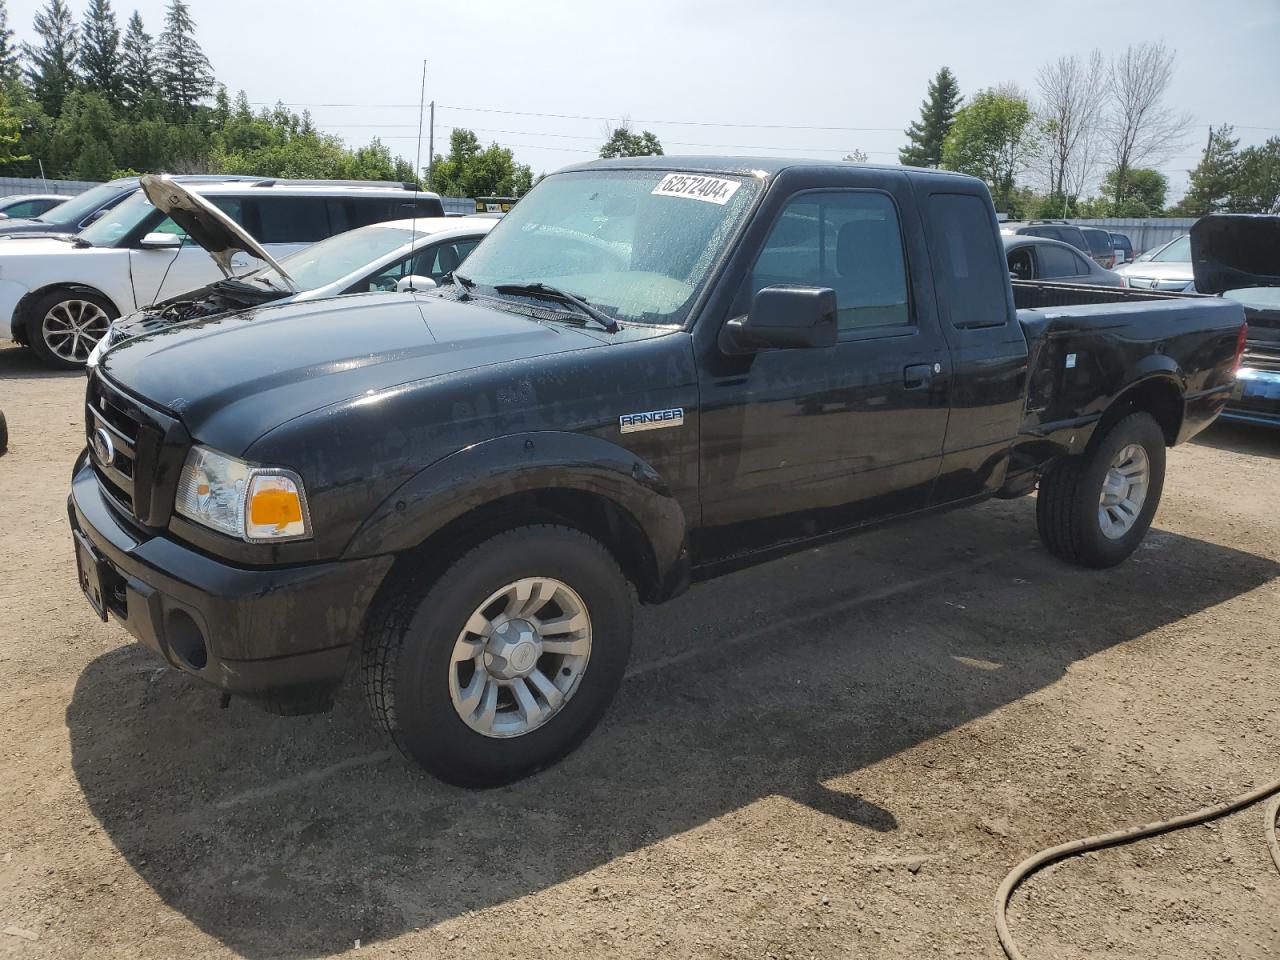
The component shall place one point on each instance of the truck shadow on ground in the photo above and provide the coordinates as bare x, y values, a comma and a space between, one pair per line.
296, 837
1245, 438
21, 363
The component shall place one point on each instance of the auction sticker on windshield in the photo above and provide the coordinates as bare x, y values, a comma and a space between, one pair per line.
693, 187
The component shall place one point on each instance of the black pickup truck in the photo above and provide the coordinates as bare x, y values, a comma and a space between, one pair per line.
653, 371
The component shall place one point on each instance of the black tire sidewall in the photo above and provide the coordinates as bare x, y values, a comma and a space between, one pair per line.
427, 725
35, 323
1099, 549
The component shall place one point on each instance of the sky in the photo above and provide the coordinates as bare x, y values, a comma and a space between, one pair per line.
722, 76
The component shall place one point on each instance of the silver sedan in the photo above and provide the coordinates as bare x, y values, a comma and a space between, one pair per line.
1039, 258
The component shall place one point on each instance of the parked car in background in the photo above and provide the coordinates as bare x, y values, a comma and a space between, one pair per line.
397, 255
1238, 256
1167, 267
24, 206
1050, 229
1101, 247
76, 213
1123, 247
59, 294
1038, 258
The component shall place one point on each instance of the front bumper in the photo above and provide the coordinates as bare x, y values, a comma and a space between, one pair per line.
281, 636
1255, 398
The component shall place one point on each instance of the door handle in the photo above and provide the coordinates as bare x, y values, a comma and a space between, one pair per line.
918, 376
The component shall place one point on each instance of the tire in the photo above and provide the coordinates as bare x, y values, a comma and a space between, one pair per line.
4, 433
419, 685
1070, 512
63, 326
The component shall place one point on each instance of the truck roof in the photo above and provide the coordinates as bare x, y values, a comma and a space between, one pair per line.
768, 166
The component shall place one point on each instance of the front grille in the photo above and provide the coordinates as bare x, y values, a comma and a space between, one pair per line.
132, 449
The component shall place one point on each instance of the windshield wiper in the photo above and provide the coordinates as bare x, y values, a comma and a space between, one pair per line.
543, 290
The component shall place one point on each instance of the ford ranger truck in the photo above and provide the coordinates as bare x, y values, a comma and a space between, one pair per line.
652, 371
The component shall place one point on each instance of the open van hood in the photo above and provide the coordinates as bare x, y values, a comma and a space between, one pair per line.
207, 225
1231, 251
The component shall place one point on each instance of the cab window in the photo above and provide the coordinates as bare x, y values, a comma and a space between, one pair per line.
849, 241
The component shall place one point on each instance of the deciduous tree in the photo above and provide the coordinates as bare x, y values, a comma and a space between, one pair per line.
1140, 128
622, 141
992, 137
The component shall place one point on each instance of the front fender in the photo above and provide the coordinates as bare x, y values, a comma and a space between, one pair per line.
488, 471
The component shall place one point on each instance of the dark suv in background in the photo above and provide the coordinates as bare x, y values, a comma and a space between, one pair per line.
1051, 229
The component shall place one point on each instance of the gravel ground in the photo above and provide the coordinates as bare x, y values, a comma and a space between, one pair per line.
838, 754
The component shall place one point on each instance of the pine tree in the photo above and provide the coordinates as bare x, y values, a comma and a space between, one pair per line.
51, 73
9, 50
185, 74
1214, 177
137, 64
100, 50
937, 113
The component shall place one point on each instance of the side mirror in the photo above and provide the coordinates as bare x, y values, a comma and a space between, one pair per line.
161, 241
786, 316
414, 282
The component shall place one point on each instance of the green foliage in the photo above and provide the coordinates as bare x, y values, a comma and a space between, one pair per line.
992, 138
52, 62
623, 142
137, 66
1144, 193
10, 132
1214, 175
9, 50
185, 76
937, 113
99, 53
469, 171
1257, 189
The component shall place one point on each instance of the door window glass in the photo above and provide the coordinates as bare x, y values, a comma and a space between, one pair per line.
969, 268
1058, 262
848, 241
292, 219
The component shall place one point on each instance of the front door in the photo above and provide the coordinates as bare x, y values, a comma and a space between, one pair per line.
798, 443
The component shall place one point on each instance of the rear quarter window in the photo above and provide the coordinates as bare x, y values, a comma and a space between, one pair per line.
970, 270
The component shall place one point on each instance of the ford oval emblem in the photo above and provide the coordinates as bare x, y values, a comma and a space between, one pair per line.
103, 447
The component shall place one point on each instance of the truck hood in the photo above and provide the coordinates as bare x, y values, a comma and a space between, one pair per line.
207, 225
284, 361
1235, 251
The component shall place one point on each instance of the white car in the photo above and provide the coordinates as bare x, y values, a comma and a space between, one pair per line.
398, 255
59, 294
1167, 267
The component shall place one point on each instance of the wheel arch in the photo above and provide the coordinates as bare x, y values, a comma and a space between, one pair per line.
1159, 394
22, 312
577, 480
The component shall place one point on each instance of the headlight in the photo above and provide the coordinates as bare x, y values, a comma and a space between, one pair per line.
243, 501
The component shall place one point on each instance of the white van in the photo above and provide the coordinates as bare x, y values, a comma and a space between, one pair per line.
59, 294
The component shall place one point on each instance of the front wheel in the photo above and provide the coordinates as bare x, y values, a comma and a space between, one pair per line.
505, 662
65, 325
1095, 509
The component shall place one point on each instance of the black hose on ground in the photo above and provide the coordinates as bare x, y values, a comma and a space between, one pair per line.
1119, 837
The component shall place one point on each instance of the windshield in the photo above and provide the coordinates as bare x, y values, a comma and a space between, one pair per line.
330, 260
1178, 251
120, 220
79, 207
637, 244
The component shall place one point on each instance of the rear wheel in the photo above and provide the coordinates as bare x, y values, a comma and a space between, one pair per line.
64, 326
506, 661
1095, 509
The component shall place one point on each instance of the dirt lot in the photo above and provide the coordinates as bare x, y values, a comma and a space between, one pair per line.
839, 754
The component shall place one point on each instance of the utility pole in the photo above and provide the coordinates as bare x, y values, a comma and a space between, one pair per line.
431, 146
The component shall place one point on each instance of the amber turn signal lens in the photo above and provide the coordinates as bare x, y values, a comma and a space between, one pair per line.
275, 508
